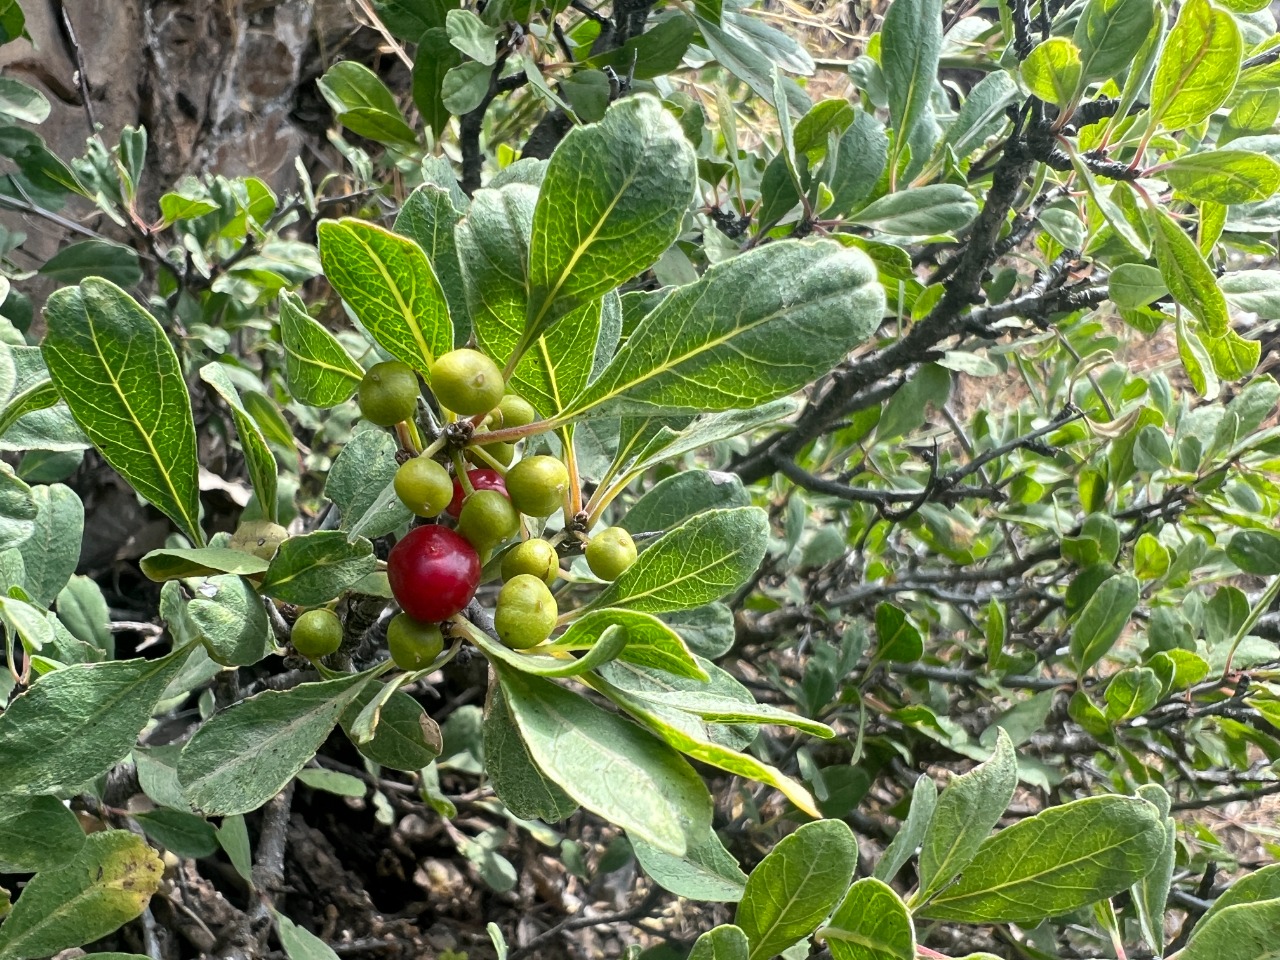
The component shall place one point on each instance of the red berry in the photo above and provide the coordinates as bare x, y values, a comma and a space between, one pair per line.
480, 480
433, 572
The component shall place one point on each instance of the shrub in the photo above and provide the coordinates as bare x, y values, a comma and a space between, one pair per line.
880, 413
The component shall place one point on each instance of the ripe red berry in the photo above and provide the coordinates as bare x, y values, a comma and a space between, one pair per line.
480, 480
434, 573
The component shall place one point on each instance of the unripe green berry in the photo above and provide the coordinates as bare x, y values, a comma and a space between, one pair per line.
467, 382
610, 552
424, 486
259, 537
537, 485
316, 634
533, 557
513, 411
526, 612
487, 519
413, 645
388, 393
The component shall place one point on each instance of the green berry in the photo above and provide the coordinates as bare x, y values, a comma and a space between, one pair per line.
467, 382
513, 411
414, 645
259, 537
526, 612
610, 553
537, 485
533, 557
424, 486
487, 519
316, 634
388, 393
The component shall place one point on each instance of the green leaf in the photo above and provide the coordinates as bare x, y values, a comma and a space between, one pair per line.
1245, 931
1150, 558
691, 735
233, 837
472, 36
257, 455
493, 245
725, 942
1131, 693
608, 764
1102, 620
794, 888
331, 781
463, 87
1255, 551
910, 50
79, 721
648, 641
707, 871
938, 208
1151, 893
229, 615
683, 495
1061, 859
722, 709
180, 205
436, 56
898, 639
181, 833
300, 943
94, 258
660, 49
861, 156
388, 282
13, 23
114, 366
1224, 176
1109, 34
20, 101
38, 396
982, 113
320, 373
361, 485
516, 779
51, 552
592, 233
429, 217
1133, 285
243, 756
752, 329
924, 800
179, 563
871, 923
363, 104
542, 663
37, 833
964, 816
929, 386
699, 561
1053, 71
83, 610
18, 509
1198, 66
103, 887
1262, 884
314, 568
405, 737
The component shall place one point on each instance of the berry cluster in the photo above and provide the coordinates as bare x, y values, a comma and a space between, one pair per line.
435, 569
